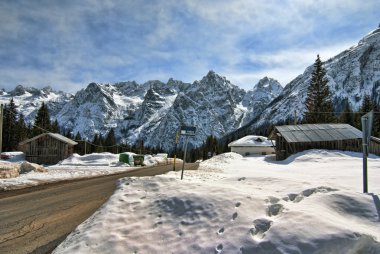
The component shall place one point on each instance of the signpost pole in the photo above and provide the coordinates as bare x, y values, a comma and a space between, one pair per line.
184, 157
367, 121
186, 131
175, 149
364, 141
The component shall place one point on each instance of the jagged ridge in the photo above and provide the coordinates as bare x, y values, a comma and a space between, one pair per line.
152, 111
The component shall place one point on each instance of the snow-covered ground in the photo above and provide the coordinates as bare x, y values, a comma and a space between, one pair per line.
75, 167
310, 203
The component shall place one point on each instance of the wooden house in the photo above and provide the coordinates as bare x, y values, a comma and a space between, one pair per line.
291, 139
47, 148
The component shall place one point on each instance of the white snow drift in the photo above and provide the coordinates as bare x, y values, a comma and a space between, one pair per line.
310, 203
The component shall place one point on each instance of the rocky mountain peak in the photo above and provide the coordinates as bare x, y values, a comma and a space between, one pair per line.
268, 85
18, 91
47, 89
21, 90
214, 81
93, 87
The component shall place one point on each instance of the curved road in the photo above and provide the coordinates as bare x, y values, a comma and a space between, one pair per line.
37, 219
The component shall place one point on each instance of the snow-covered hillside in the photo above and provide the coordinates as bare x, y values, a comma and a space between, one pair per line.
310, 203
351, 75
152, 111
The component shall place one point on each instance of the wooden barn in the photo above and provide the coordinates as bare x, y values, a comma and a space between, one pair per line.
47, 148
291, 139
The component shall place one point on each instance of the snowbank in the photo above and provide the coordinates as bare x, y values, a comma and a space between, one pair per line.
107, 159
311, 203
74, 167
94, 159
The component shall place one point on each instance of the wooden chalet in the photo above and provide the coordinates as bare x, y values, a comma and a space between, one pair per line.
47, 148
291, 139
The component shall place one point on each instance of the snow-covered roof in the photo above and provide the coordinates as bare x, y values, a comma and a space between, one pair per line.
252, 140
54, 135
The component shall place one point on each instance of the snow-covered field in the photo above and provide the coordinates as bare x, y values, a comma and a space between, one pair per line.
310, 203
75, 167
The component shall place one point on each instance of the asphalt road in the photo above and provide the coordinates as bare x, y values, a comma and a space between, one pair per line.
37, 219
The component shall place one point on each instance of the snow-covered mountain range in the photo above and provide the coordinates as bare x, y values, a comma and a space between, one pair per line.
351, 74
152, 111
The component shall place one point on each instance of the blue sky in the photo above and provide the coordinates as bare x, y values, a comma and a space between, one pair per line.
68, 44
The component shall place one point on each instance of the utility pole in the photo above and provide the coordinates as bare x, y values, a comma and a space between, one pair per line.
1, 127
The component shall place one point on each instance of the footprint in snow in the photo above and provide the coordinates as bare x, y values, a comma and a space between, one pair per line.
242, 179
221, 231
219, 248
296, 198
260, 226
237, 204
234, 216
275, 209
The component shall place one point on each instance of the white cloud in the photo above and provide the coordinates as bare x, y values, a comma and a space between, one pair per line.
179, 39
284, 65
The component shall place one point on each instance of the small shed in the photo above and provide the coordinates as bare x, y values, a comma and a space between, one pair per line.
252, 145
47, 148
291, 139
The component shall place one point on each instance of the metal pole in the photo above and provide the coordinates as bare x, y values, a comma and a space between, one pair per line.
295, 117
1, 128
175, 149
85, 147
184, 157
364, 141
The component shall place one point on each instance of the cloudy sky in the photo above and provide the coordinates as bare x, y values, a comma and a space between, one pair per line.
68, 44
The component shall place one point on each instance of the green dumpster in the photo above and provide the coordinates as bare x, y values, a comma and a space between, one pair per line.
124, 157
138, 159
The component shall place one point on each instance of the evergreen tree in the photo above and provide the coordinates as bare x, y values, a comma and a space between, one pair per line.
68, 134
98, 143
22, 129
94, 142
42, 120
210, 147
367, 104
366, 107
78, 136
55, 126
110, 141
10, 135
376, 120
79, 148
318, 102
347, 115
